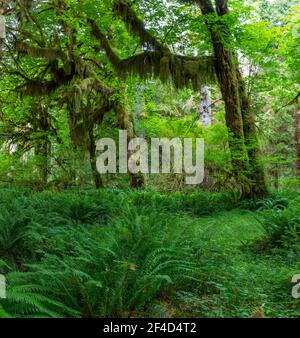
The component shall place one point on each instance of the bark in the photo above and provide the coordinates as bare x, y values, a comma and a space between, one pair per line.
42, 145
93, 160
125, 122
90, 119
239, 117
256, 172
297, 139
228, 81
222, 7
42, 150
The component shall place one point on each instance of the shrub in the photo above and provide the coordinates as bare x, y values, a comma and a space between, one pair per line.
282, 227
276, 202
87, 269
195, 203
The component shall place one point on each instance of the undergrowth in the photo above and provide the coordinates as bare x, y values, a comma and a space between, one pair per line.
114, 253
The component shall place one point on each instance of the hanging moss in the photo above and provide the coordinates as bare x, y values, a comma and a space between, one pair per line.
164, 71
36, 88
144, 64
180, 70
114, 59
82, 116
46, 53
135, 25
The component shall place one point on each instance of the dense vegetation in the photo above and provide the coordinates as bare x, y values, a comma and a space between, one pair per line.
78, 243
131, 254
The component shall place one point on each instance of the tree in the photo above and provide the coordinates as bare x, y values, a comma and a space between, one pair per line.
158, 60
59, 63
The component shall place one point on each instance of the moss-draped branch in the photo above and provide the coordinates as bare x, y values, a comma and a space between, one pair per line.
136, 26
182, 71
50, 54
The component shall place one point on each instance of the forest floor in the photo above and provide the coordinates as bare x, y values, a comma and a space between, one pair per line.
114, 253
249, 279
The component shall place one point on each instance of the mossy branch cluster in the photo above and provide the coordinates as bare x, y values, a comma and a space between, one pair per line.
157, 60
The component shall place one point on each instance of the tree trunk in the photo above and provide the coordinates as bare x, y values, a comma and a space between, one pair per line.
228, 82
93, 160
125, 122
256, 174
42, 150
42, 146
297, 139
239, 117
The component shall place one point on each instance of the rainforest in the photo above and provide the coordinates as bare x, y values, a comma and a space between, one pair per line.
84, 234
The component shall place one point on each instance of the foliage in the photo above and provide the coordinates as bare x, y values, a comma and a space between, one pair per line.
282, 228
116, 253
59, 92
72, 72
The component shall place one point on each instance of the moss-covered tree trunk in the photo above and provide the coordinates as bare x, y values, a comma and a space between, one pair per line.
240, 119
93, 160
297, 138
125, 122
42, 151
256, 172
227, 78
41, 126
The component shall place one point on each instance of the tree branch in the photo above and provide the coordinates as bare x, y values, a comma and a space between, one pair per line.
183, 71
